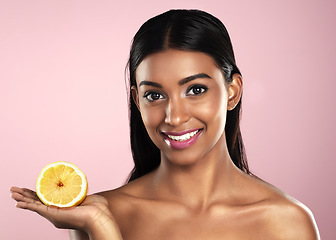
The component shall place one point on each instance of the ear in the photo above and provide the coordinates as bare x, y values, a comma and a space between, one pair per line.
235, 90
135, 96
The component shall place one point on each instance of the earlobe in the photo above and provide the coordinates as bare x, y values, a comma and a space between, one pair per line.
135, 96
235, 90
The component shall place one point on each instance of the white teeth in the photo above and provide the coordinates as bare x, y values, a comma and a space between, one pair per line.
183, 137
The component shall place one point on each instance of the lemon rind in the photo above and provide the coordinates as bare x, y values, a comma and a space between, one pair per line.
77, 200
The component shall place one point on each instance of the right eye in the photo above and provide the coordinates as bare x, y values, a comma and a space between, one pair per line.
153, 96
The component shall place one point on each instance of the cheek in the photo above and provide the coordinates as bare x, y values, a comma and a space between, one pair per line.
213, 110
151, 117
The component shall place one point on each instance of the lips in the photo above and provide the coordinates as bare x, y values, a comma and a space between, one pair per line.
181, 140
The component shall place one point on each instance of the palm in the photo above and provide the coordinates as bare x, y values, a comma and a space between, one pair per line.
92, 207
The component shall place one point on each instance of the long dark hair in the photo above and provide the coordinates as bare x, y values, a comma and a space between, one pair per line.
188, 30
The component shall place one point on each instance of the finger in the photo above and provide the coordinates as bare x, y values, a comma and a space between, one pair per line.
30, 193
15, 189
38, 207
60, 217
34, 206
21, 198
25, 192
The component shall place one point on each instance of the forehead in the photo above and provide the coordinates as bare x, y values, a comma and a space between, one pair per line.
175, 64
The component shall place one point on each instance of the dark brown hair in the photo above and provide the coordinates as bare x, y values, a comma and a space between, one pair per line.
188, 30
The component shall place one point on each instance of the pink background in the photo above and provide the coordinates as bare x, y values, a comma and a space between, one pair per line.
62, 95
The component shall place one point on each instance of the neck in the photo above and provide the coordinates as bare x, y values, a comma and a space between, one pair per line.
198, 184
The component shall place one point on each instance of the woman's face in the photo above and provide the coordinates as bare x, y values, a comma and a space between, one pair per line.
183, 101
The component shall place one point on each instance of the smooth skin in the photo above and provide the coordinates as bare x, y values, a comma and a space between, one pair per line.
196, 192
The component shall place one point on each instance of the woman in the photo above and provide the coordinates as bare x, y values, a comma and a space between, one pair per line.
191, 179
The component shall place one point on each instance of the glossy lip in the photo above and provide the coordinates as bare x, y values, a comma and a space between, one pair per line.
182, 144
182, 132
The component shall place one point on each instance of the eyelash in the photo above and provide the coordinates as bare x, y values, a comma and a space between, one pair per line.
203, 88
149, 95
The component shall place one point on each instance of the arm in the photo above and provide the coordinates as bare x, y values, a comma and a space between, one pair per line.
101, 231
98, 233
78, 235
104, 228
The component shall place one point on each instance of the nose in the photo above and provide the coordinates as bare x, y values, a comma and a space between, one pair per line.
176, 112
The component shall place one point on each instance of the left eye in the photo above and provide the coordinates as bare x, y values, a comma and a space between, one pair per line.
197, 90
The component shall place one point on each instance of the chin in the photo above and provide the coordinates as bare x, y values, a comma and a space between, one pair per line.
181, 158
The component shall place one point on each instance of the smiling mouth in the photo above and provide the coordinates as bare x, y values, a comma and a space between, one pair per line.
183, 137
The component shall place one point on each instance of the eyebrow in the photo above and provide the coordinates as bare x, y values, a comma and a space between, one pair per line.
181, 82
193, 77
149, 83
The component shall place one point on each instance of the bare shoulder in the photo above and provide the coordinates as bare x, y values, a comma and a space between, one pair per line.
132, 190
290, 219
123, 195
286, 217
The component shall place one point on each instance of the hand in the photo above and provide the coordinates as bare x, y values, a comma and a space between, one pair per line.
86, 217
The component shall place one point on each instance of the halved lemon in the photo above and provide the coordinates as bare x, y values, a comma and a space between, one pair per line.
61, 184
